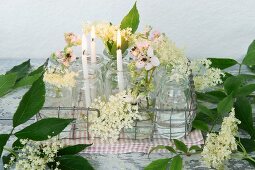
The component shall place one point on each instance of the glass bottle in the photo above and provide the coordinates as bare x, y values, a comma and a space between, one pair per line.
172, 105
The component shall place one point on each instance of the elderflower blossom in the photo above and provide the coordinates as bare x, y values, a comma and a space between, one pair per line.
205, 76
60, 79
218, 147
108, 32
115, 114
36, 154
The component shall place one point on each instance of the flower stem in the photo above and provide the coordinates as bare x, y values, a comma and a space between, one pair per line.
239, 70
11, 151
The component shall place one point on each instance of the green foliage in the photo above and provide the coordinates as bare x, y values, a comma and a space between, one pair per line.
73, 162
31, 103
176, 163
232, 84
201, 125
131, 20
3, 140
71, 150
249, 144
21, 70
7, 82
249, 58
246, 90
211, 97
169, 148
225, 105
180, 146
7, 159
44, 128
160, 164
222, 63
243, 112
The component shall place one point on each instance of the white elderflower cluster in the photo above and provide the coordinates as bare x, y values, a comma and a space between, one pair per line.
218, 147
63, 78
115, 114
205, 76
167, 51
36, 154
108, 32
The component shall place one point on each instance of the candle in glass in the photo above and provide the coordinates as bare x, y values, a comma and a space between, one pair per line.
93, 45
119, 53
84, 57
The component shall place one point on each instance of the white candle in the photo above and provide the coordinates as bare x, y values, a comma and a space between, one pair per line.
119, 53
93, 45
87, 93
121, 81
84, 57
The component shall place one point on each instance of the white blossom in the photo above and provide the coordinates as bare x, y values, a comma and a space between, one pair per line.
60, 78
115, 114
36, 154
218, 147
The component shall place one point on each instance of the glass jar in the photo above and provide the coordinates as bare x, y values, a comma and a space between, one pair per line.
172, 105
116, 81
143, 128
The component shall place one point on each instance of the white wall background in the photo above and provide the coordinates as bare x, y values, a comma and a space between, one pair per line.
215, 28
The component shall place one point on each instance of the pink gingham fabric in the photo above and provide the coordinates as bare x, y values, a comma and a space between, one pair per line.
129, 145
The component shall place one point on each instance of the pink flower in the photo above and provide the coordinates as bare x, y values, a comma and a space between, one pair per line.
147, 61
143, 45
72, 39
155, 35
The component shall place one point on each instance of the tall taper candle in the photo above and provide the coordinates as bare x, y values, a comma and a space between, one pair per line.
93, 45
119, 53
84, 57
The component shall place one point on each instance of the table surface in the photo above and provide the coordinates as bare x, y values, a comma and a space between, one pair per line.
128, 161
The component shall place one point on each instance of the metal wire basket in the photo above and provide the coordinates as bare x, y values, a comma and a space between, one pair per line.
141, 129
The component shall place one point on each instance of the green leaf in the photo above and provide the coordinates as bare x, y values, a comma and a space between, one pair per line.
39, 70
250, 161
72, 150
7, 81
17, 145
21, 70
3, 140
160, 164
31, 103
7, 159
176, 163
180, 146
198, 124
40, 130
169, 148
27, 81
222, 63
226, 76
243, 112
246, 90
203, 109
246, 77
232, 84
73, 162
195, 148
131, 20
249, 58
212, 96
225, 105
249, 144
